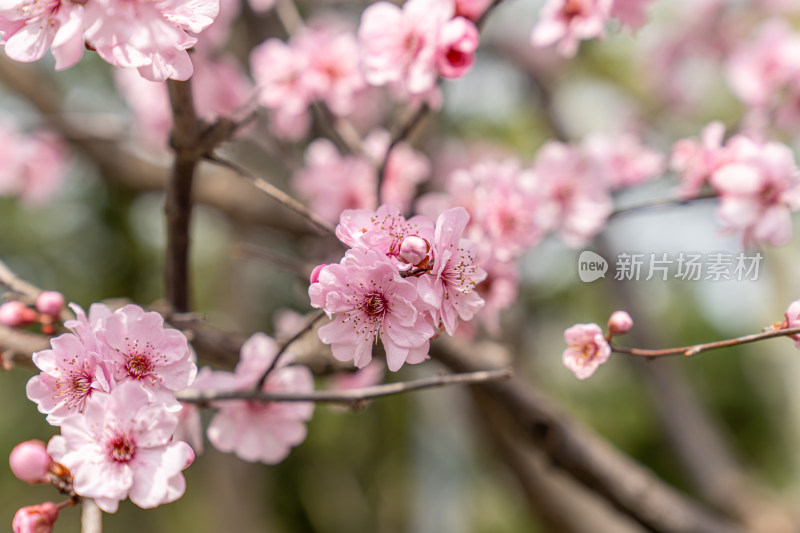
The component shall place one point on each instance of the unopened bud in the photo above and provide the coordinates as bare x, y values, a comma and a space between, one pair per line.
30, 461
15, 314
50, 303
620, 322
35, 518
414, 249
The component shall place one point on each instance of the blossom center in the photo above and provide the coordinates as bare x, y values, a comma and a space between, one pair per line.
138, 365
121, 448
375, 304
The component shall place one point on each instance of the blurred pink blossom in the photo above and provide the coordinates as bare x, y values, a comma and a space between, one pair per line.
587, 349
122, 447
262, 431
457, 44
632, 13
622, 160
757, 70
578, 201
695, 160
759, 188
32, 166
332, 183
793, 320
16, 314
567, 22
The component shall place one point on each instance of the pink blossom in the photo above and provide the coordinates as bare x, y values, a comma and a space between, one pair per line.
50, 302
450, 287
279, 70
33, 166
405, 169
30, 461
141, 349
622, 160
332, 183
71, 373
381, 230
122, 447
334, 73
35, 518
508, 215
759, 188
30, 28
578, 202
632, 13
400, 44
457, 44
695, 161
567, 22
86, 327
586, 349
148, 36
793, 320
16, 314
370, 299
619, 323
263, 431
757, 70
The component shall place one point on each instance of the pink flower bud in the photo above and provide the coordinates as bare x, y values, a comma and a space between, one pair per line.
414, 249
50, 302
315, 273
619, 323
35, 518
14, 314
30, 461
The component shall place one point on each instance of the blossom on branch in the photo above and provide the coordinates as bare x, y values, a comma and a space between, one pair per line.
587, 349
122, 447
261, 431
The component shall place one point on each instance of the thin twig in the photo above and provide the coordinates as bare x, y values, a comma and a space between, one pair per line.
264, 186
289, 264
305, 329
399, 136
351, 396
697, 348
669, 202
16, 284
91, 517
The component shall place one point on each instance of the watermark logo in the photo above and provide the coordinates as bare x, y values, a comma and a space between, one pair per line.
591, 266
686, 266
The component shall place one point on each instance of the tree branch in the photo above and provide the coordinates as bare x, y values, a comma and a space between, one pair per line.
309, 325
697, 348
353, 397
588, 458
264, 186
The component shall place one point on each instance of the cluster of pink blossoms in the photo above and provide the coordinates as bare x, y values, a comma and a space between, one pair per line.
332, 183
409, 47
401, 280
567, 22
151, 36
319, 63
758, 182
110, 386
